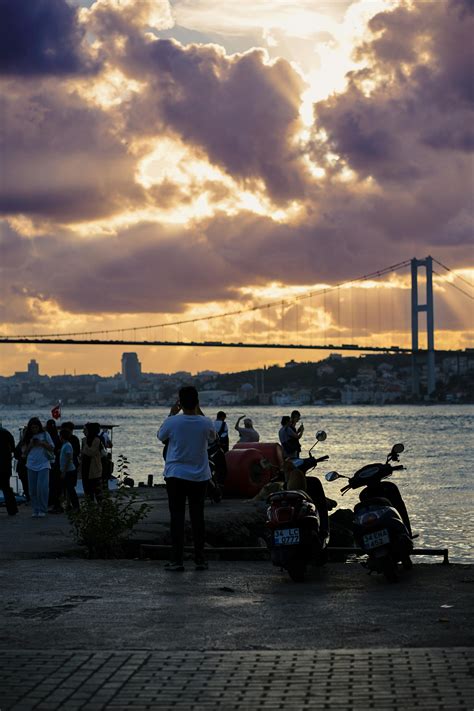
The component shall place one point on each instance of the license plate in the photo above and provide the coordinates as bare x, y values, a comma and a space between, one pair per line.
376, 539
286, 536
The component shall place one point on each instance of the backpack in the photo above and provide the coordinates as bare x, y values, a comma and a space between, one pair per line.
222, 434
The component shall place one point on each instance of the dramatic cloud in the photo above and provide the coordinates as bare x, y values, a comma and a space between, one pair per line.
158, 176
62, 158
242, 111
421, 99
406, 124
41, 37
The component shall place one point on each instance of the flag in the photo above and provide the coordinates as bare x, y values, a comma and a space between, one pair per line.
56, 411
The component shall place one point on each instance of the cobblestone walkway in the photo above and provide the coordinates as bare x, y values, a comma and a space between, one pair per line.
350, 680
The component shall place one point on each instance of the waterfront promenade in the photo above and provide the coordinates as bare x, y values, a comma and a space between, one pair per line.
119, 634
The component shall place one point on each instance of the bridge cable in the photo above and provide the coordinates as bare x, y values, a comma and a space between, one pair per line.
454, 286
365, 277
455, 273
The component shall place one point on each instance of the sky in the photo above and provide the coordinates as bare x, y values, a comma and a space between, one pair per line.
173, 160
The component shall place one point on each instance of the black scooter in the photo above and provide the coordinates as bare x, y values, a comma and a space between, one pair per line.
217, 465
296, 537
381, 523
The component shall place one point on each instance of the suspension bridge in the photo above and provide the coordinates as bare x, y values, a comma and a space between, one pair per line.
342, 317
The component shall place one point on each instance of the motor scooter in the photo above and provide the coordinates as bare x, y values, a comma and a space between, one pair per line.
217, 465
296, 536
381, 524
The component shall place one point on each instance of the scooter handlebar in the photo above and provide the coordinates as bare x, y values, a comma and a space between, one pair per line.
322, 459
398, 467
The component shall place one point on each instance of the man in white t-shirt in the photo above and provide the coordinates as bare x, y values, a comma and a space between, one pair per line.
187, 473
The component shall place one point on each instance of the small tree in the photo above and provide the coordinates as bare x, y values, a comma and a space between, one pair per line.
103, 527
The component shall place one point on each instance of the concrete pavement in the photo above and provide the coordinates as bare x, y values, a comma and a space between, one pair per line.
121, 634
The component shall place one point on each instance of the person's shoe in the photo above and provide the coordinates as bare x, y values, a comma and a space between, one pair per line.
34, 515
40, 515
174, 566
201, 565
56, 510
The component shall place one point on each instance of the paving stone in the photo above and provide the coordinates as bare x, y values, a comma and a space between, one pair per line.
383, 680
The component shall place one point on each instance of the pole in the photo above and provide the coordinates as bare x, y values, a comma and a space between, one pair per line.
431, 374
414, 327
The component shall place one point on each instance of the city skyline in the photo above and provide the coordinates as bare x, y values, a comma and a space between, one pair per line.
174, 160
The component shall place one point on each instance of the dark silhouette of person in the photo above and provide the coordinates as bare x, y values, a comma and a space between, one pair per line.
187, 473
7, 447
55, 485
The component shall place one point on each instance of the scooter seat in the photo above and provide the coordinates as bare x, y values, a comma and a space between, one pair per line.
289, 493
302, 493
375, 501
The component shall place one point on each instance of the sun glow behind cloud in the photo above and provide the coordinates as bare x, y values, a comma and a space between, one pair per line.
186, 153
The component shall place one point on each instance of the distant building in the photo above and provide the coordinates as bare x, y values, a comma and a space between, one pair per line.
131, 368
106, 386
33, 369
32, 372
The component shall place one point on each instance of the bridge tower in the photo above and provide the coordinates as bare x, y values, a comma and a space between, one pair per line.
416, 308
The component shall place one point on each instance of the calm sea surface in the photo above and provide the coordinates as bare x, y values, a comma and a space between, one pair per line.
437, 485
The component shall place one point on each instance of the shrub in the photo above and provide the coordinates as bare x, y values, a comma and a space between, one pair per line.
103, 527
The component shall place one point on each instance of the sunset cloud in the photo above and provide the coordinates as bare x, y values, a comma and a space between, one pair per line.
40, 38
157, 175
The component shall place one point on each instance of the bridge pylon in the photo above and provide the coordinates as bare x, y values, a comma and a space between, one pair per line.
416, 308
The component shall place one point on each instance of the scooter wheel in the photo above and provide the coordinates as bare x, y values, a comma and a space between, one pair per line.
407, 563
297, 571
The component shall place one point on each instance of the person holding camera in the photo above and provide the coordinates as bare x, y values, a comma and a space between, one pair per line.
294, 432
187, 473
39, 456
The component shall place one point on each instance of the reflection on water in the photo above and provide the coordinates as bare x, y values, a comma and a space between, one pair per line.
439, 450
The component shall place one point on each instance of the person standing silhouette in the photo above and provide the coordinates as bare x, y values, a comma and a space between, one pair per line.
187, 473
7, 447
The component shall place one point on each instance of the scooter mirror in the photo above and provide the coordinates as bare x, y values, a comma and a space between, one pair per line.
332, 476
398, 448
321, 435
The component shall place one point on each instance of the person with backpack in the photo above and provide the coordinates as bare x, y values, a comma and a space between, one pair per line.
222, 430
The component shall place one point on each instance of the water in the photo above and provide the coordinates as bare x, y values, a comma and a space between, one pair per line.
439, 450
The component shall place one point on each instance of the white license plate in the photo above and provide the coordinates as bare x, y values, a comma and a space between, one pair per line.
286, 536
376, 539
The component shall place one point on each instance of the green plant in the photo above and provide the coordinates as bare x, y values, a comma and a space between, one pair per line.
122, 470
103, 527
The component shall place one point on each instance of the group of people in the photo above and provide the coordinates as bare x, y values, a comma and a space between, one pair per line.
290, 434
190, 442
49, 461
247, 432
